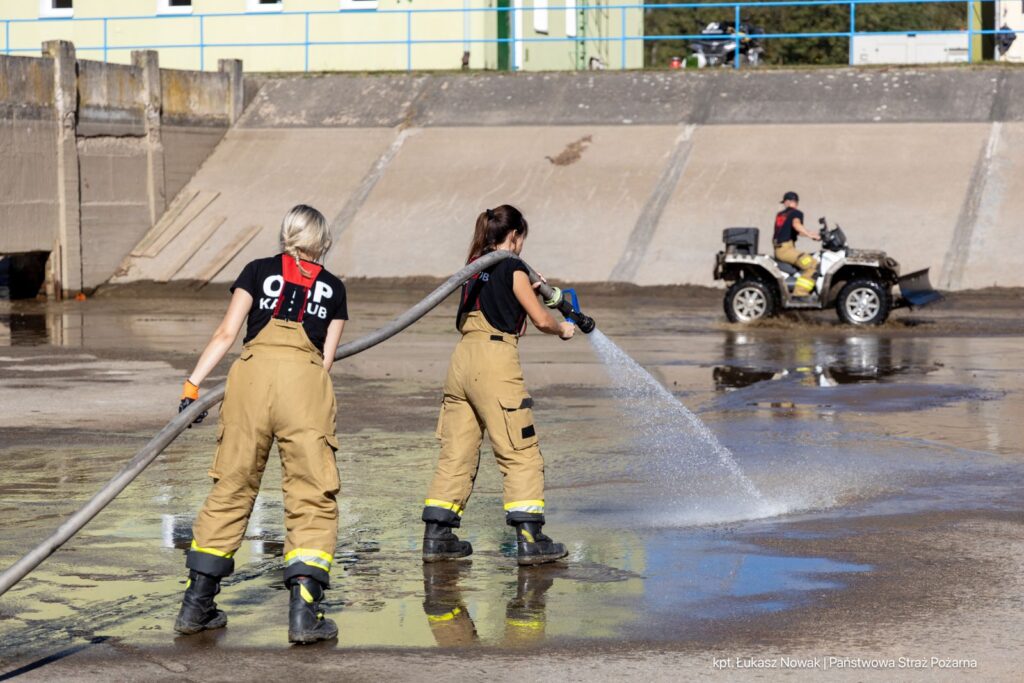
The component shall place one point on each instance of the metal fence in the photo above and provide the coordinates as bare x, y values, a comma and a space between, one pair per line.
409, 41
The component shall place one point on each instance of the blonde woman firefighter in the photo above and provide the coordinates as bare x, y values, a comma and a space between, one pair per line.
278, 389
484, 390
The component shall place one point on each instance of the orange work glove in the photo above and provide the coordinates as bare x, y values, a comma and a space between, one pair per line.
189, 395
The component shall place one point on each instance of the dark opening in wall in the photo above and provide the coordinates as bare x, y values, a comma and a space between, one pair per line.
22, 275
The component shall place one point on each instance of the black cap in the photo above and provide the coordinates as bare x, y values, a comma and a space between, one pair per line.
791, 196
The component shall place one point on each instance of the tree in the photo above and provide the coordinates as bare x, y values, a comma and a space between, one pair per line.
797, 19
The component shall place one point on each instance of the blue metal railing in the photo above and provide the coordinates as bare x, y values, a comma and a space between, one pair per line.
408, 42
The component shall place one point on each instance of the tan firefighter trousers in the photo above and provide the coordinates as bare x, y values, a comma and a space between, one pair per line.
277, 389
787, 253
485, 390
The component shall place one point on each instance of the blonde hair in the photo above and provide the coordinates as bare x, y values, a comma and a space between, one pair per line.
305, 234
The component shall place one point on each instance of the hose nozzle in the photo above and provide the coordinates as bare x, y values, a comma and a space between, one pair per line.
570, 309
584, 322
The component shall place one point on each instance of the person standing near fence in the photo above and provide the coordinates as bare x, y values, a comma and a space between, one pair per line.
278, 389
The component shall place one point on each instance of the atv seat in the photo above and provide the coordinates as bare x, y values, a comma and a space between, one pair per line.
740, 241
786, 268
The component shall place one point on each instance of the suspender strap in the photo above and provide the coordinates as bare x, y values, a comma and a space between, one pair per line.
470, 300
293, 276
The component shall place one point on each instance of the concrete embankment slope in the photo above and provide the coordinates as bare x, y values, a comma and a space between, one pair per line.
624, 176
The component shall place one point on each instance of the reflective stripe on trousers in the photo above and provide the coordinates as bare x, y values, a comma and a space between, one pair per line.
484, 390
277, 390
787, 253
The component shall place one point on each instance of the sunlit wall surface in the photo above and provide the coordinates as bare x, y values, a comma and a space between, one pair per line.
335, 35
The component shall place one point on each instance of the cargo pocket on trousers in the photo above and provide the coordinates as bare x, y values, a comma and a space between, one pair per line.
332, 481
439, 432
518, 412
213, 472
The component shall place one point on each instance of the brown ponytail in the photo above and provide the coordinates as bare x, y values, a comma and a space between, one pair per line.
493, 227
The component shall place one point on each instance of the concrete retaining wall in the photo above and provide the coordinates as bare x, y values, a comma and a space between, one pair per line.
92, 153
710, 97
110, 100
196, 113
624, 176
28, 183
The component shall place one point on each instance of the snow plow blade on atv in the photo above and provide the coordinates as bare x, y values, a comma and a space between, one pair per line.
916, 289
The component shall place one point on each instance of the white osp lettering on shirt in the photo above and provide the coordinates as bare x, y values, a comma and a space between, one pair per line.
321, 291
273, 285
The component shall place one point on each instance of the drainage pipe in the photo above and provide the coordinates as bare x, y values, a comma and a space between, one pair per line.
73, 524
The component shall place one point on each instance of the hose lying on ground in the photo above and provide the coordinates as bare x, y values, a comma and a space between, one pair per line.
148, 453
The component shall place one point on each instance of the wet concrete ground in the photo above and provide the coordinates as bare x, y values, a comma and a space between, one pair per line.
889, 461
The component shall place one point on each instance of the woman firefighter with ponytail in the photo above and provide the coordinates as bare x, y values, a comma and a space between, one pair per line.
484, 390
278, 389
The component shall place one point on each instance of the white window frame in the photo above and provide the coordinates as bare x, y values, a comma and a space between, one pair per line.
540, 16
570, 19
255, 6
48, 11
358, 5
165, 7
517, 34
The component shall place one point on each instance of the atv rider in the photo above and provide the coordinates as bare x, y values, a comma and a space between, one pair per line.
788, 224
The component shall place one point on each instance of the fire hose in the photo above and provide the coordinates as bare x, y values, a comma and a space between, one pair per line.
148, 453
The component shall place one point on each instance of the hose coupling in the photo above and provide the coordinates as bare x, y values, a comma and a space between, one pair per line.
554, 299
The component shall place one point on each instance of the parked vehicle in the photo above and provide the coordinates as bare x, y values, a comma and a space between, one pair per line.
719, 46
858, 283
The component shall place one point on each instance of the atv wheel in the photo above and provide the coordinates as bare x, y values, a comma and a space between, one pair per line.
749, 300
864, 302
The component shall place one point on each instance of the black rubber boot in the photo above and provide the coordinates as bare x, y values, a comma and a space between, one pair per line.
306, 622
534, 547
440, 543
198, 611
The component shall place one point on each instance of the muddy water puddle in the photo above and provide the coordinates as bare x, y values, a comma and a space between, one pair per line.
833, 427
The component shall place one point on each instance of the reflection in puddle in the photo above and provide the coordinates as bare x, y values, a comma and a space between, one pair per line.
110, 324
124, 575
634, 572
820, 362
709, 579
443, 604
858, 373
24, 329
727, 377
801, 388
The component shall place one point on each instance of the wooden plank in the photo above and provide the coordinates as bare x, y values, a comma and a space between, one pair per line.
173, 211
185, 255
229, 252
173, 228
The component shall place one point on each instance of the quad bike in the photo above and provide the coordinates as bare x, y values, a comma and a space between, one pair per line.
718, 42
857, 282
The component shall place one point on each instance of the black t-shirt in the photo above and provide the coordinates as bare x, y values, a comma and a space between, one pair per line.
784, 231
263, 279
490, 292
